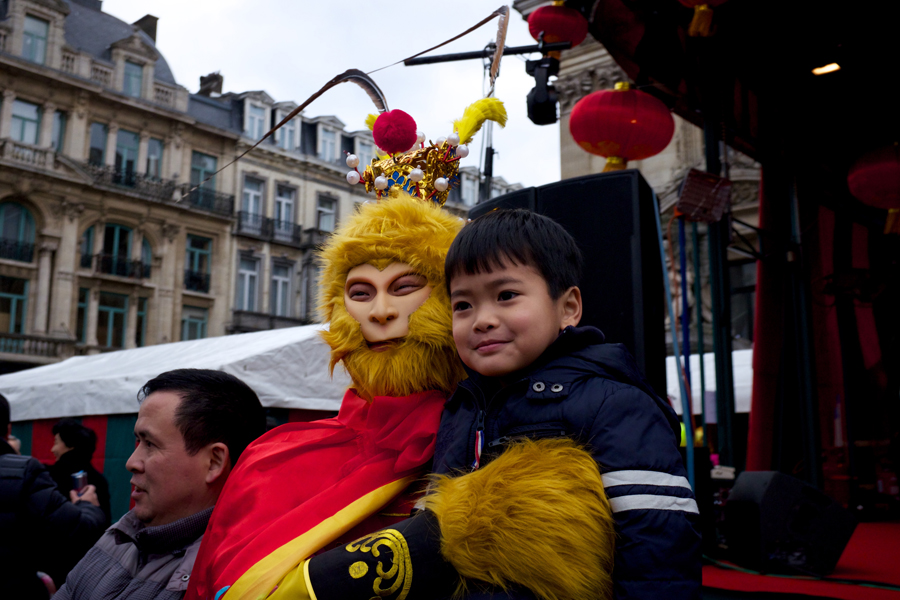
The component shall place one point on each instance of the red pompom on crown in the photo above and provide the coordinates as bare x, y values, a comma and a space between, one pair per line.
394, 131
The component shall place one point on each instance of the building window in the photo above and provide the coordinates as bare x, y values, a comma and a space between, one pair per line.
81, 317
87, 247
58, 135
248, 280
250, 220
329, 145
281, 290
256, 121
284, 212
16, 232
366, 153
197, 263
309, 281
203, 166
469, 191
97, 152
126, 157
13, 300
140, 332
287, 135
112, 316
116, 254
34, 43
325, 213
154, 158
134, 79
193, 323
743, 301
26, 120
146, 258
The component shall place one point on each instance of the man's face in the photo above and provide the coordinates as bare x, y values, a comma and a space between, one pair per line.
382, 301
59, 447
504, 320
169, 484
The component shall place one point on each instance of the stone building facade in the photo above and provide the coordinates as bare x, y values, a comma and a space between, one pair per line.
116, 231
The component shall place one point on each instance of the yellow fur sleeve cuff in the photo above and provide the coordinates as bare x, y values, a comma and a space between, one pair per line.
536, 517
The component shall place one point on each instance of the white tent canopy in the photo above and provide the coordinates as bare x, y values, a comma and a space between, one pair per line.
742, 362
287, 368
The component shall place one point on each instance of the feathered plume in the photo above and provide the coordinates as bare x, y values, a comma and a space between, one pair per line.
370, 121
476, 114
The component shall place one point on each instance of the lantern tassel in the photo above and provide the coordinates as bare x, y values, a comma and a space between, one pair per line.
892, 225
701, 22
615, 163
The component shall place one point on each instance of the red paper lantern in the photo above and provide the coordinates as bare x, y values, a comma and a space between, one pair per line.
558, 23
621, 124
875, 178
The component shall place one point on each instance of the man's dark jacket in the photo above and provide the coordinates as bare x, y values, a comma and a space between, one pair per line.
40, 529
594, 393
73, 461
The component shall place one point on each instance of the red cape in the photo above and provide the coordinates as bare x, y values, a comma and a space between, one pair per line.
298, 475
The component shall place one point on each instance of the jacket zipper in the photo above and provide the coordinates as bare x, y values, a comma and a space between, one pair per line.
479, 440
536, 434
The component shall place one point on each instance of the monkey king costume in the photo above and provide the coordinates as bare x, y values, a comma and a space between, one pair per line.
322, 509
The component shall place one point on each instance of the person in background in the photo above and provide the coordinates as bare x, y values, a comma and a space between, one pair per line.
40, 529
74, 446
192, 426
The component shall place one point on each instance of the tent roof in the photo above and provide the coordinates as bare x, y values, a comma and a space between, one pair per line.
288, 368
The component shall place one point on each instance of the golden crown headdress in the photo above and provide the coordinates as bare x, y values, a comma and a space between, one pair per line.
424, 171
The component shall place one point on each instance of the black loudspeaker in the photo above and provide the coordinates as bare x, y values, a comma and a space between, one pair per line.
610, 215
777, 524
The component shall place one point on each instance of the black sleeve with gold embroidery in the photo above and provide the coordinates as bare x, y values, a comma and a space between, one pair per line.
401, 563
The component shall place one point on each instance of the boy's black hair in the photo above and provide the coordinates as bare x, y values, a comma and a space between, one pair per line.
215, 407
521, 237
82, 440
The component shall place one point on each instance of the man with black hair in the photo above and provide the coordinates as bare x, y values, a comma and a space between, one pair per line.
40, 529
74, 446
192, 426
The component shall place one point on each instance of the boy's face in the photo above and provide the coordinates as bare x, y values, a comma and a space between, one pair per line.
504, 320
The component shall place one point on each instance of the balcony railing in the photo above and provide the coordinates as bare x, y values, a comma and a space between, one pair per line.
196, 281
28, 154
31, 345
313, 238
282, 232
245, 321
153, 188
16, 250
121, 266
209, 200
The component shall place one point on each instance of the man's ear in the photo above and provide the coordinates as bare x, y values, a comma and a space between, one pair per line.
219, 462
570, 307
8, 431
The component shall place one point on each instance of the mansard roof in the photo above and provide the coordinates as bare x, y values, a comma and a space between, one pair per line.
97, 33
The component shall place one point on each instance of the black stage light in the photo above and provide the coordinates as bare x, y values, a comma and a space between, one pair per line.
542, 98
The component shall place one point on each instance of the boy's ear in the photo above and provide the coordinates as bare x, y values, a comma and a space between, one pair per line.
570, 307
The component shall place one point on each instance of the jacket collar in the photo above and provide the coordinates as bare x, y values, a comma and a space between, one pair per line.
5, 448
570, 339
161, 539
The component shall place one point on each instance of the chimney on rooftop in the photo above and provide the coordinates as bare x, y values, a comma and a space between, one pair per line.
147, 24
211, 85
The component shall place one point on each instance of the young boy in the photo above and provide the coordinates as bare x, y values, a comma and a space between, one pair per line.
513, 281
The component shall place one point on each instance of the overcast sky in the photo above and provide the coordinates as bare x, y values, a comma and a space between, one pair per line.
290, 48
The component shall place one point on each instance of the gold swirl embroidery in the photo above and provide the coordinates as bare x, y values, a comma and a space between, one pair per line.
400, 570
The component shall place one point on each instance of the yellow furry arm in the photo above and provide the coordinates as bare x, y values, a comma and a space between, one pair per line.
536, 517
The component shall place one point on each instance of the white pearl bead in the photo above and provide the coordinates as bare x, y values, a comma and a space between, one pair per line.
453, 138
441, 184
420, 137
462, 151
352, 161
440, 140
381, 182
416, 175
352, 177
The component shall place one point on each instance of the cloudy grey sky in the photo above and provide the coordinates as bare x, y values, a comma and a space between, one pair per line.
290, 48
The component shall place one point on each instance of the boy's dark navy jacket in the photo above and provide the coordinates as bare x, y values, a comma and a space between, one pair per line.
594, 393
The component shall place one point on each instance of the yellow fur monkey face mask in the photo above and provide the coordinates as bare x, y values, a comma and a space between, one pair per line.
410, 237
